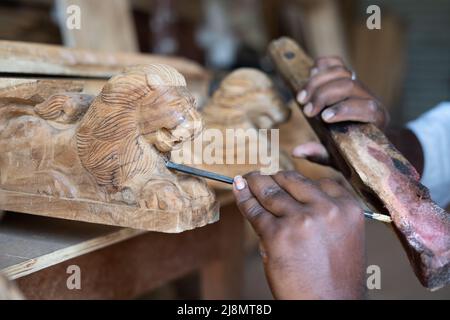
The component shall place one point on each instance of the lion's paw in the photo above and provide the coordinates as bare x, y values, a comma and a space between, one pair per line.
163, 195
195, 188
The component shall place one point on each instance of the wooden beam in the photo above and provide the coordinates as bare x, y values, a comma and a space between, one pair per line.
323, 26
25, 60
41, 59
105, 25
36, 243
380, 174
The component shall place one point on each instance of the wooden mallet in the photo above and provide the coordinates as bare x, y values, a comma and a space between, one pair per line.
380, 174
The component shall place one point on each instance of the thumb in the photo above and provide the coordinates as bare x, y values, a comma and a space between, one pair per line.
312, 151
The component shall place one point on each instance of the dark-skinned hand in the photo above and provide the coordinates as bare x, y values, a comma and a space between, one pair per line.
335, 96
311, 234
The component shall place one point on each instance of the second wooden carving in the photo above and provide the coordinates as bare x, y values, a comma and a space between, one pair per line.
245, 102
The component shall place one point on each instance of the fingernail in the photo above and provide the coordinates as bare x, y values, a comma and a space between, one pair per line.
298, 152
328, 114
302, 96
308, 109
239, 182
314, 71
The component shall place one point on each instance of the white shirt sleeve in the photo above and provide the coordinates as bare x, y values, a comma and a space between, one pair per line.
433, 131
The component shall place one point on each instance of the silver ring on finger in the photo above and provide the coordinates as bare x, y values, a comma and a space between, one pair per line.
353, 77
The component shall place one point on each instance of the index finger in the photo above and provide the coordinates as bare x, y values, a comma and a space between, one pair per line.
299, 187
271, 195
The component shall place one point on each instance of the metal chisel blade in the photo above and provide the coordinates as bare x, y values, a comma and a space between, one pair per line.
198, 172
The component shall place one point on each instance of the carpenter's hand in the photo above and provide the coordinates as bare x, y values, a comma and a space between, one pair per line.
332, 93
311, 235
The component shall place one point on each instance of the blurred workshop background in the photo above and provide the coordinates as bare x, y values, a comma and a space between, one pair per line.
406, 63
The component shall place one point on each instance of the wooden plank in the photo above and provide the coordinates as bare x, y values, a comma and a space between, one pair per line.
381, 175
101, 212
44, 88
42, 59
28, 60
106, 25
35, 242
133, 267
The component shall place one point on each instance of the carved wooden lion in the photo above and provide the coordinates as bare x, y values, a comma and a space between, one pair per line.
110, 148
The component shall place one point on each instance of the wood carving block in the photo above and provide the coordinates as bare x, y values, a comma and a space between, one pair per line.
381, 175
101, 158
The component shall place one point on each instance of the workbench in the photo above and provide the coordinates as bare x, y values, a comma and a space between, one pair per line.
119, 263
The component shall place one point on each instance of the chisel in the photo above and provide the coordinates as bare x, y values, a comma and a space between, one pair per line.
198, 172
221, 178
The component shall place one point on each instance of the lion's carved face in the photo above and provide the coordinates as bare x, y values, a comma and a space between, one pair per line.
146, 106
169, 119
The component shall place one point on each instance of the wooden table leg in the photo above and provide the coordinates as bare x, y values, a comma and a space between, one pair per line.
222, 277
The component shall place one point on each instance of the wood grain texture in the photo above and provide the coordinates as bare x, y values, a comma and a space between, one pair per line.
100, 159
381, 175
245, 102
